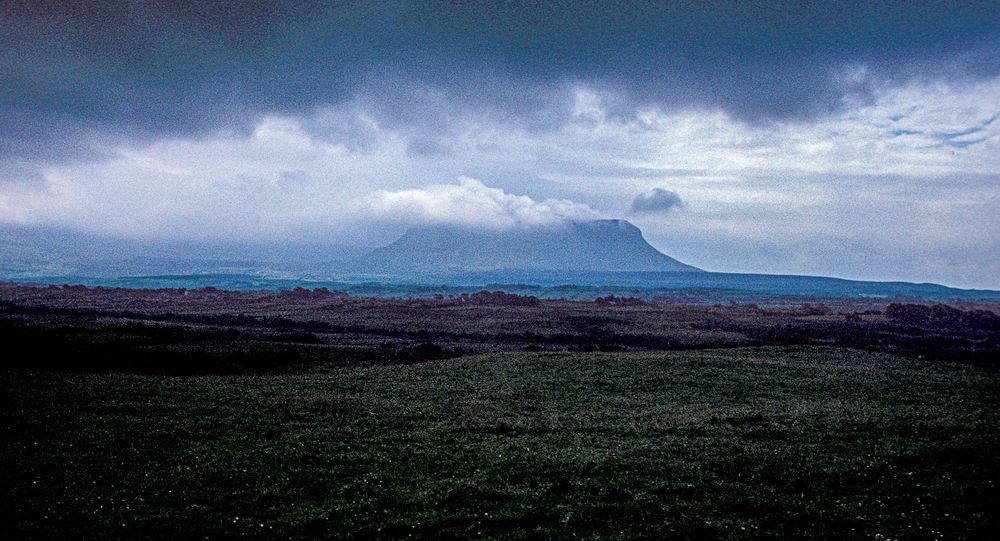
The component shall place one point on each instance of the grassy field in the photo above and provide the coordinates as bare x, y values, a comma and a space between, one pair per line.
803, 441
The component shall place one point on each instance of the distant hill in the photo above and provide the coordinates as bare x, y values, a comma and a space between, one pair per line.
599, 245
574, 261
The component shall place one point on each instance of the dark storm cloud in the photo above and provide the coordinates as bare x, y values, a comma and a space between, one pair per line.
153, 68
658, 200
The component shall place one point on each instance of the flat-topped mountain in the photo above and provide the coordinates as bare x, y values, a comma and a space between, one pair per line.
599, 245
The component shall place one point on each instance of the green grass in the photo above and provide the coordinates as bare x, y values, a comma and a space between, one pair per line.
797, 442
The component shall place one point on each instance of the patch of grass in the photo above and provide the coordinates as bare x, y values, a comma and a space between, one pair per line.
751, 442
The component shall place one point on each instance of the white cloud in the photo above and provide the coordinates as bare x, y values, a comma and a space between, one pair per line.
470, 202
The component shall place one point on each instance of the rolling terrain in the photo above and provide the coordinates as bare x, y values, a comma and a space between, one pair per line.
209, 329
181, 414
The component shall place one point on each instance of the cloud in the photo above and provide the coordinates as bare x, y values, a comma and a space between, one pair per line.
191, 69
782, 186
929, 230
296, 176
658, 200
472, 203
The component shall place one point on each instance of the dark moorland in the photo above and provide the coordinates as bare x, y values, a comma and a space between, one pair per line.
175, 413
181, 331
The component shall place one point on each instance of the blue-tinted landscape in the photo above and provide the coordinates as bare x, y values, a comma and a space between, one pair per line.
450, 270
714, 287
582, 261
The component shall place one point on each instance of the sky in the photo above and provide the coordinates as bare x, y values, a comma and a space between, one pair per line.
858, 140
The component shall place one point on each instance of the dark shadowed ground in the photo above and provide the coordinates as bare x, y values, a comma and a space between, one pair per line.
213, 331
155, 414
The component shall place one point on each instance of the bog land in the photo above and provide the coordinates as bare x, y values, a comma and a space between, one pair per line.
311, 414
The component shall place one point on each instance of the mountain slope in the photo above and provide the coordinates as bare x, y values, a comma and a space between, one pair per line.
600, 245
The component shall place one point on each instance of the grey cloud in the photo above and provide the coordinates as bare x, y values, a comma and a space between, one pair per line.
598, 170
961, 144
20, 172
295, 177
954, 139
345, 126
193, 67
658, 200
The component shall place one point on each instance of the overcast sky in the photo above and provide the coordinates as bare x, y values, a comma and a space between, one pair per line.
860, 142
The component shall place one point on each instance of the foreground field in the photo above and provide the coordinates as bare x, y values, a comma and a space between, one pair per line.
801, 441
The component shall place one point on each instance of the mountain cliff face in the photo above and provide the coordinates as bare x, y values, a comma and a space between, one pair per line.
600, 245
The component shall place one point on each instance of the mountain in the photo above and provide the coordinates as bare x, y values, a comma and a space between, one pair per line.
599, 245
